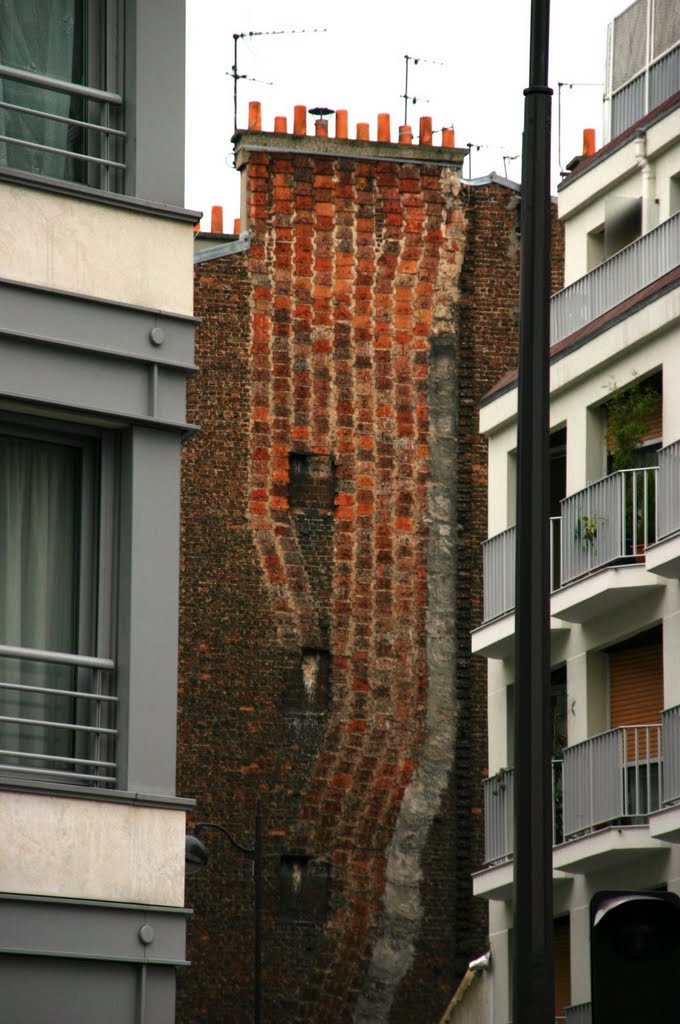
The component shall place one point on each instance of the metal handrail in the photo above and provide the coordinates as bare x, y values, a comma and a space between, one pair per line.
59, 85
55, 657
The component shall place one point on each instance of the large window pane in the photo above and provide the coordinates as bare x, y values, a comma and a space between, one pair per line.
45, 37
40, 513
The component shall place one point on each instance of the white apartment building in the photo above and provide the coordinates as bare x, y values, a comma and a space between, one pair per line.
615, 527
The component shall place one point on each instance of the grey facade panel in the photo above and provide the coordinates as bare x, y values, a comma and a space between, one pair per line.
70, 928
38, 991
154, 94
109, 328
149, 593
67, 962
83, 353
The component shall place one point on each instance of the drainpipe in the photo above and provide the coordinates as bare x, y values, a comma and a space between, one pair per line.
650, 206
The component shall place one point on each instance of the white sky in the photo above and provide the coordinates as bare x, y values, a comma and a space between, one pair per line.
358, 64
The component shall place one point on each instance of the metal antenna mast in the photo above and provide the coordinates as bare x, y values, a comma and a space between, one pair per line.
250, 35
560, 87
405, 96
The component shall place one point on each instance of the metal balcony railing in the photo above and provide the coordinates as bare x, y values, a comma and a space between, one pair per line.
622, 275
66, 730
670, 721
613, 777
607, 522
642, 94
499, 813
85, 145
668, 491
610, 520
498, 556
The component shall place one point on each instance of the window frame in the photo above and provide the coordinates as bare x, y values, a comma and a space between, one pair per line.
97, 582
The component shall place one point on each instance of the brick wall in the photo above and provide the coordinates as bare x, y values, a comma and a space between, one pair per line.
333, 506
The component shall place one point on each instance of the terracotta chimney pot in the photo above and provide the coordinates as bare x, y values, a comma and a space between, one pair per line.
405, 134
384, 128
216, 220
300, 120
321, 128
588, 141
448, 138
341, 126
255, 116
363, 132
426, 131
237, 226
281, 125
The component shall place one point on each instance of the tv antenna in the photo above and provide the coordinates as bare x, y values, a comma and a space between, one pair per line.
405, 96
560, 87
234, 73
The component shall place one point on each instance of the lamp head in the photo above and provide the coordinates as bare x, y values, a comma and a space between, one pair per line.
195, 855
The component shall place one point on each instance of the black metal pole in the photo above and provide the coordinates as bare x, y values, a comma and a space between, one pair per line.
533, 980
257, 879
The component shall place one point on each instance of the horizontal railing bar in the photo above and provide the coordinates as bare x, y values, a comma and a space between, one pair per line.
89, 125
59, 693
57, 757
62, 152
45, 724
58, 85
55, 657
55, 771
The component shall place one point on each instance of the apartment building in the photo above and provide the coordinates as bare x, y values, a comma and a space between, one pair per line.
96, 342
615, 527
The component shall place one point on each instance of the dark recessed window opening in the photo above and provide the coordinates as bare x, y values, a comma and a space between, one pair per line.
308, 682
304, 885
311, 481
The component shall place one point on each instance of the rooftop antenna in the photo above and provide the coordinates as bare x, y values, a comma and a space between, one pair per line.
234, 73
560, 87
405, 96
506, 160
470, 146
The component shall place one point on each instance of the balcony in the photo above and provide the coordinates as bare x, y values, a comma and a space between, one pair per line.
496, 880
604, 791
61, 129
495, 637
598, 549
611, 784
663, 557
606, 529
622, 275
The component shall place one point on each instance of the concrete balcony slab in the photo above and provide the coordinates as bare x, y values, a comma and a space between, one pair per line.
607, 848
602, 592
663, 558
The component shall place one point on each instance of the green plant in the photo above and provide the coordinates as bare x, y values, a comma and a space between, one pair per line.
629, 411
585, 530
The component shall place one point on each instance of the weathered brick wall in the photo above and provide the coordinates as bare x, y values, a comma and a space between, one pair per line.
377, 303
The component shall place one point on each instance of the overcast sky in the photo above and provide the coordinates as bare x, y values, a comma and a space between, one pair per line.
472, 70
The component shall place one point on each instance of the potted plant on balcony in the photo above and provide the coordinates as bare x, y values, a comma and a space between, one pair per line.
585, 530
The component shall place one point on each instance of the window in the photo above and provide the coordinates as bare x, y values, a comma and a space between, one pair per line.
57, 708
58, 99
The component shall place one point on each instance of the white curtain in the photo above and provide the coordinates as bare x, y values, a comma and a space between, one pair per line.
45, 37
39, 525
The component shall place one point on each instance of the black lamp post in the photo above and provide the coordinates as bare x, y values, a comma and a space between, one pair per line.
196, 857
533, 999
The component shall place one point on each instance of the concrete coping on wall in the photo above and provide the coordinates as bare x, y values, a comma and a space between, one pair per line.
246, 142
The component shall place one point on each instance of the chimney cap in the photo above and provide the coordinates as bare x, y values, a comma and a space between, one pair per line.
321, 111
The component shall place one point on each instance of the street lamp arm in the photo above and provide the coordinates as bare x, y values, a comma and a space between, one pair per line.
246, 851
